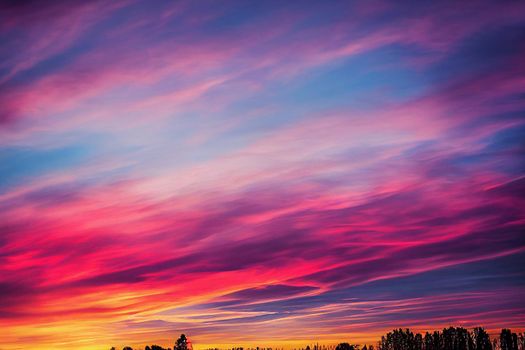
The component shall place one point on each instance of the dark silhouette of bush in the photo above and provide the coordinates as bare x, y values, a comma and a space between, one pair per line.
155, 347
345, 346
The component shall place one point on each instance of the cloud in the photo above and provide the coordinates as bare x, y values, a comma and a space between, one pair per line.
277, 174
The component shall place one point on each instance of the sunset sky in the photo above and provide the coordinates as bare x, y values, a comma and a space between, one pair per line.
258, 172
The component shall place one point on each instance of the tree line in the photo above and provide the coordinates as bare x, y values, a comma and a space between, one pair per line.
451, 338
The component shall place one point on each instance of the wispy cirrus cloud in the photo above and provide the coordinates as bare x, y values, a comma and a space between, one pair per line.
275, 173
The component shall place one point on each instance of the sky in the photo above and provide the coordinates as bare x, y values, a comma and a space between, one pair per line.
258, 172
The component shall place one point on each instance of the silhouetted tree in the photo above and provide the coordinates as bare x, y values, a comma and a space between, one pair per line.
127, 348
399, 339
508, 340
456, 338
182, 343
521, 341
418, 342
481, 339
